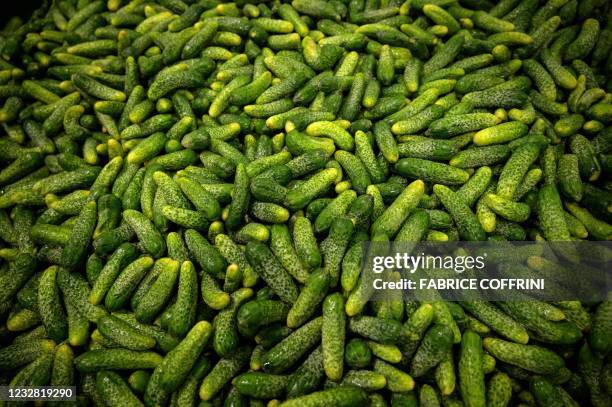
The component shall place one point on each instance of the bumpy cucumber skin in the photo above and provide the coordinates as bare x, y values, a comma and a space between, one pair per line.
333, 336
550, 214
476, 185
357, 354
178, 362
598, 340
114, 390
186, 301
283, 248
301, 195
500, 133
223, 372
499, 390
255, 314
467, 223
392, 218
529, 357
397, 380
85, 141
119, 259
18, 354
81, 235
312, 294
308, 375
431, 171
146, 232
340, 396
94, 360
261, 385
568, 174
335, 245
49, 305
435, 345
515, 169
471, 375
270, 270
122, 333
454, 125
159, 293
497, 321
289, 350
384, 330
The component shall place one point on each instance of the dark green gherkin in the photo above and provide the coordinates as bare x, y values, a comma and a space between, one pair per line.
190, 190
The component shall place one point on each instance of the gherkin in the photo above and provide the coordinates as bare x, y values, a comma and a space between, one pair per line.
191, 192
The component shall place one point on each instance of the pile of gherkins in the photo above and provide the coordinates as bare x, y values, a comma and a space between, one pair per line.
186, 186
